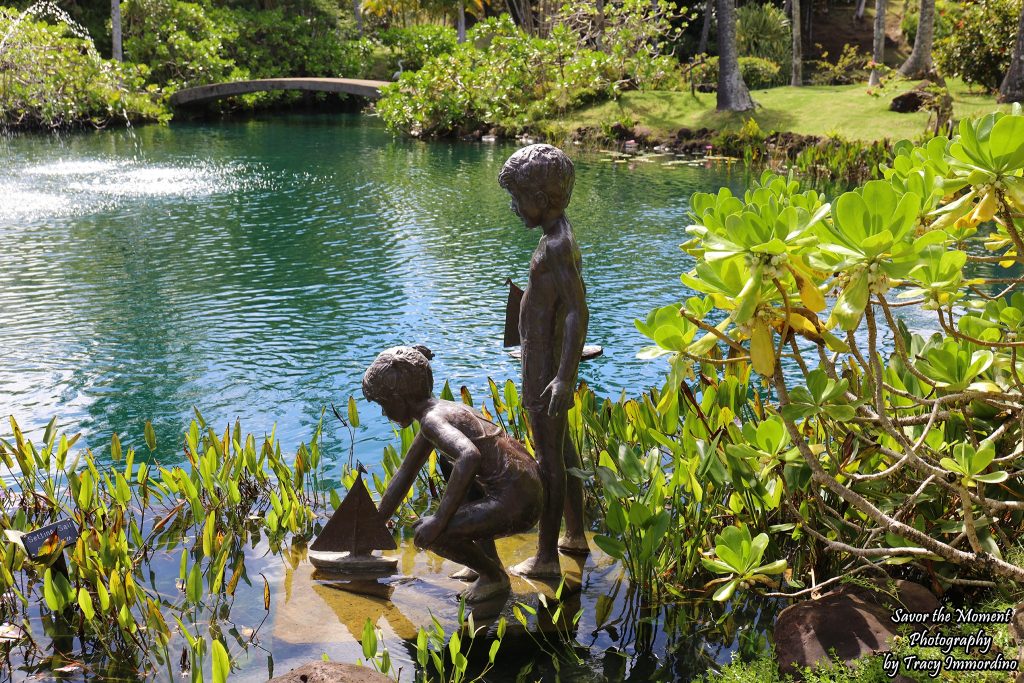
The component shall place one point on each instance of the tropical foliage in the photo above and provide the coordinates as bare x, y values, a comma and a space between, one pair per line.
762, 30
503, 77
134, 516
978, 48
757, 72
52, 79
906, 451
179, 43
947, 14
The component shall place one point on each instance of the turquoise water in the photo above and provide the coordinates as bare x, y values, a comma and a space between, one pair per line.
254, 269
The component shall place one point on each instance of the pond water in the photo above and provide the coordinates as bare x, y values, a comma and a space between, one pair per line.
254, 269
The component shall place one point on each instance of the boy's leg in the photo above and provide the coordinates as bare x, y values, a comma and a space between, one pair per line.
573, 541
548, 438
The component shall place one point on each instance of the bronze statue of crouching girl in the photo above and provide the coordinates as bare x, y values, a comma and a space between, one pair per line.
461, 530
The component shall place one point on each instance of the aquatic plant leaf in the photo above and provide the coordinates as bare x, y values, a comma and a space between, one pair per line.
221, 662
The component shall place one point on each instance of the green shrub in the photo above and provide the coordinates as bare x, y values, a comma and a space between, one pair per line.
503, 77
415, 45
906, 451
850, 67
760, 73
277, 44
757, 73
49, 79
180, 44
763, 31
946, 15
978, 48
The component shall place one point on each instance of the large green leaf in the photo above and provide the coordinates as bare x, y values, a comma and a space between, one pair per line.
1007, 144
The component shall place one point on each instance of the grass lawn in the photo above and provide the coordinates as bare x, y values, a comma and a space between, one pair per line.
847, 111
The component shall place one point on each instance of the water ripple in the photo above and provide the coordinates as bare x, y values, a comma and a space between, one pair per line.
255, 269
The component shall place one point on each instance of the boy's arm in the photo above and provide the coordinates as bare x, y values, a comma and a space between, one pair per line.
562, 264
400, 484
467, 457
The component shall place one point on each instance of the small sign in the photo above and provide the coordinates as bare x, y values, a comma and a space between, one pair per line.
45, 540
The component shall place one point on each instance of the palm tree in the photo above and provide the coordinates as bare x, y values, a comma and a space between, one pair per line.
878, 53
919, 63
732, 91
705, 30
1012, 89
115, 30
797, 78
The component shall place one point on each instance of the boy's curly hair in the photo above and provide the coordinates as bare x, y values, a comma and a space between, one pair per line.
540, 167
403, 370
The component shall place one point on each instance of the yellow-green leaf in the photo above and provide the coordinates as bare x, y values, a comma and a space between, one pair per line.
85, 603
221, 662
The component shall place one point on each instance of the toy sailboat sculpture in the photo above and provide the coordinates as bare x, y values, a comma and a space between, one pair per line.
350, 536
511, 336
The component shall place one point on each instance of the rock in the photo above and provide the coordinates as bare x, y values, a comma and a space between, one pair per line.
1017, 634
909, 101
620, 132
643, 135
851, 621
331, 672
913, 100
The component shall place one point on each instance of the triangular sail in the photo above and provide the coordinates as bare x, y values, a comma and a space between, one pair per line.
512, 306
355, 526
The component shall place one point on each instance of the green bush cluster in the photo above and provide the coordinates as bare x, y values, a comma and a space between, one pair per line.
416, 45
511, 81
277, 44
181, 45
908, 454
503, 77
186, 44
947, 14
139, 520
49, 79
850, 67
758, 73
763, 31
978, 49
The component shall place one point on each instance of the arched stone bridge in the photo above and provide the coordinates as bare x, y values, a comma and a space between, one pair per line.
208, 93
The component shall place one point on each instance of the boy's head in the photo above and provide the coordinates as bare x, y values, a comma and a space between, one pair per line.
540, 179
398, 379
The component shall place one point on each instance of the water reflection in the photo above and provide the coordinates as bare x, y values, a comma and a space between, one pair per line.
254, 269
617, 637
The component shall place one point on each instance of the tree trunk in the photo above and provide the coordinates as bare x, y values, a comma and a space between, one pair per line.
919, 63
1012, 89
358, 11
732, 91
862, 6
599, 29
798, 51
115, 30
878, 53
705, 30
462, 21
522, 15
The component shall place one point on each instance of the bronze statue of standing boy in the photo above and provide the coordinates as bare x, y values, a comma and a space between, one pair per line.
552, 328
